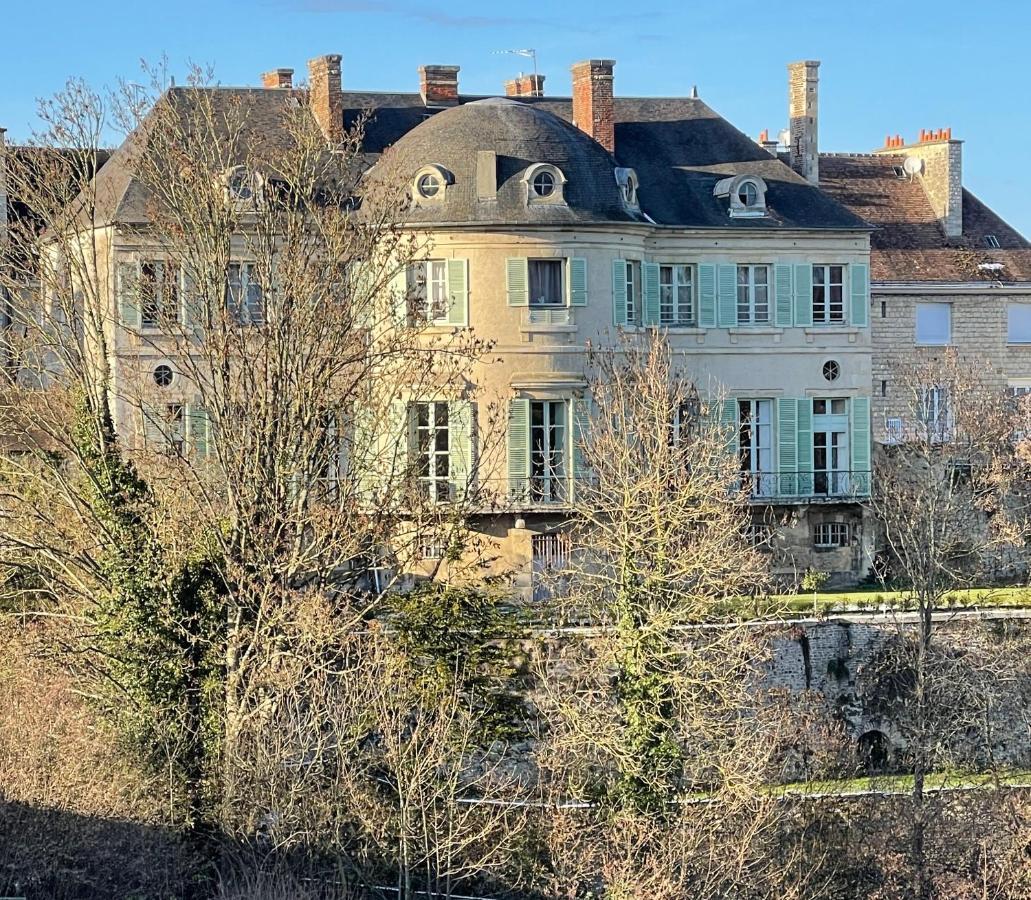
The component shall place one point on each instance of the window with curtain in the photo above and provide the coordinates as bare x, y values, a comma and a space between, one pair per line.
546, 282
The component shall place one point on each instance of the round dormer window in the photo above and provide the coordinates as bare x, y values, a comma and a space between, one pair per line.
428, 185
748, 194
544, 184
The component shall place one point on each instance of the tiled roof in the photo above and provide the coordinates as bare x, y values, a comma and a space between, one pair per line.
908, 243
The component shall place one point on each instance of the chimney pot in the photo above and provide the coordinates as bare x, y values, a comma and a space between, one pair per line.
594, 109
438, 85
278, 78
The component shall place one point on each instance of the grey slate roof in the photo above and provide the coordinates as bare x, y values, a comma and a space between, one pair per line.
520, 135
679, 148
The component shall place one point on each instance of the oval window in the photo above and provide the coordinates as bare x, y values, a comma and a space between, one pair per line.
748, 194
831, 370
163, 375
428, 186
544, 184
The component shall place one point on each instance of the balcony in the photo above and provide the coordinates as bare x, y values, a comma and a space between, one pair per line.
807, 487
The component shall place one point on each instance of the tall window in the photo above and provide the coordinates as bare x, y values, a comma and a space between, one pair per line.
676, 295
828, 295
175, 430
633, 291
245, 298
933, 323
686, 417
755, 443
427, 290
432, 449
830, 446
936, 413
753, 295
159, 292
548, 450
546, 282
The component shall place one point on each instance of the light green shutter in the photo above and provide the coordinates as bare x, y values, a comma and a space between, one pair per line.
518, 448
651, 293
787, 445
804, 442
458, 292
707, 295
461, 442
727, 295
619, 292
728, 423
127, 288
804, 294
859, 281
198, 427
517, 281
396, 444
860, 440
577, 281
188, 316
581, 435
782, 286
153, 432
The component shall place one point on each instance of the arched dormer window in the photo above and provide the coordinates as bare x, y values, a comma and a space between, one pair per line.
746, 195
545, 183
430, 184
628, 184
241, 185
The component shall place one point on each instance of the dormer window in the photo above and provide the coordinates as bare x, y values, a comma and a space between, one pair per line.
627, 181
239, 184
544, 183
431, 183
746, 195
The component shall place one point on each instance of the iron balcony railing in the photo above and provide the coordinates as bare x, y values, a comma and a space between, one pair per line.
807, 486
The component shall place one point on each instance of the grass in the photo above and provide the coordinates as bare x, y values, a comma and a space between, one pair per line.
903, 784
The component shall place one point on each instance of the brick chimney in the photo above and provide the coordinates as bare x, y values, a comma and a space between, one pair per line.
941, 175
439, 85
278, 78
525, 86
803, 111
593, 106
326, 95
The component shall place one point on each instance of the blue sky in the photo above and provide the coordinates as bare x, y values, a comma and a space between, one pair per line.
888, 65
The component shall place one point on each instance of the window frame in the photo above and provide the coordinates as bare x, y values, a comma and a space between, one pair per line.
760, 446
634, 291
437, 487
241, 310
671, 311
838, 535
1025, 309
158, 293
550, 463
746, 294
422, 286
532, 261
832, 312
933, 341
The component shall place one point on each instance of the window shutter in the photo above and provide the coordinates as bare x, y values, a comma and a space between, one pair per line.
517, 281
461, 442
198, 429
458, 292
581, 435
577, 281
782, 285
805, 445
400, 298
860, 441
859, 282
619, 292
804, 294
707, 295
787, 445
153, 432
651, 293
187, 302
128, 294
728, 423
727, 295
518, 448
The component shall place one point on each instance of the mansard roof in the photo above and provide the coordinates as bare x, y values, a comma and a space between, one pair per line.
679, 147
908, 242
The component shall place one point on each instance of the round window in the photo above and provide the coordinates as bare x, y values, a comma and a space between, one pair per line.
240, 185
831, 370
544, 184
748, 194
428, 186
163, 375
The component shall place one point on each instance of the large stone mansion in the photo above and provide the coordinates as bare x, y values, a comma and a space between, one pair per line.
787, 279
